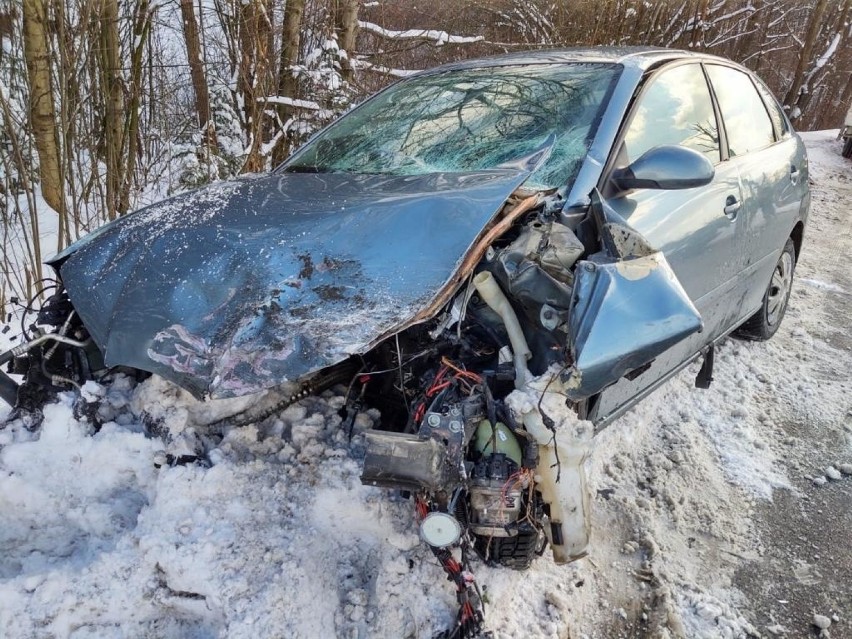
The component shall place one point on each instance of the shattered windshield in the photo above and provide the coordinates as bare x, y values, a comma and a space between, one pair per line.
470, 120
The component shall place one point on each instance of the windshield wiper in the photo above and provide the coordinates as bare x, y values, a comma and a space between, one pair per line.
304, 168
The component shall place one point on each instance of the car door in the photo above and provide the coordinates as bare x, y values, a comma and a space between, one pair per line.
696, 228
772, 174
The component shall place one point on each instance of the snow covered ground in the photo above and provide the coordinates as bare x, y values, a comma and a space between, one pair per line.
715, 514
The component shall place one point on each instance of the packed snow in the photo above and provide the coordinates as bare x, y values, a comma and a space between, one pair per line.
274, 536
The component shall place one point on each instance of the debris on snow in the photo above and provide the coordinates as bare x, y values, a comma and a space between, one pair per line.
821, 621
92, 392
832, 473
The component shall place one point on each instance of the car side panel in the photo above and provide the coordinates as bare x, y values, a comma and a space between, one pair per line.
772, 181
699, 241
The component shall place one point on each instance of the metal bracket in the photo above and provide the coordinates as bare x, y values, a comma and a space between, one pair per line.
705, 375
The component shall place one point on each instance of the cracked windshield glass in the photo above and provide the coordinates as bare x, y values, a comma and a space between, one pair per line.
540, 116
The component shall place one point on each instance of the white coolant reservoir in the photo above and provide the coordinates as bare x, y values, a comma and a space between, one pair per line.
560, 475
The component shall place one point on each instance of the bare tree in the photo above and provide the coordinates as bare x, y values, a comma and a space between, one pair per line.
346, 28
42, 108
113, 92
255, 29
287, 82
806, 52
198, 75
813, 81
142, 18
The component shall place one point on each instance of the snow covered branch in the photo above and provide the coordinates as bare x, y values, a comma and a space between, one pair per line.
440, 37
291, 102
820, 63
378, 68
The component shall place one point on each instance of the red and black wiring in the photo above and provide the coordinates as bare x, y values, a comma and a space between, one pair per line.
351, 407
448, 376
470, 616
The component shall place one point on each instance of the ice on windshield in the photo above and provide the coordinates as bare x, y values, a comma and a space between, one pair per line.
470, 120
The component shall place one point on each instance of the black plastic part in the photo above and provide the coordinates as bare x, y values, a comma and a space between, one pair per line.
496, 466
8, 389
530, 458
556, 533
516, 552
505, 372
55, 310
705, 375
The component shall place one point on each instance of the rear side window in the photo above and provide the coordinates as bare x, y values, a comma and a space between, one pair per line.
782, 129
674, 109
746, 120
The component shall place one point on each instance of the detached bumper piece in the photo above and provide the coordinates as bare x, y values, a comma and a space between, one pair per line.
8, 389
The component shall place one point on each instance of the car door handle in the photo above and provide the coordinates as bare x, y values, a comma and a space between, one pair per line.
732, 206
794, 175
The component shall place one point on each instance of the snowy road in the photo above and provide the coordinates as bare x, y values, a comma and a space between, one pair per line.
713, 516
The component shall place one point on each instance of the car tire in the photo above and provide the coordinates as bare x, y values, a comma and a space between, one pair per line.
763, 324
847, 148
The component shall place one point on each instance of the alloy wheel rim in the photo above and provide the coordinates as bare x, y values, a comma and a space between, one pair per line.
779, 288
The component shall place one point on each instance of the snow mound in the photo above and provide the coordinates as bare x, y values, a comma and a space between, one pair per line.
276, 536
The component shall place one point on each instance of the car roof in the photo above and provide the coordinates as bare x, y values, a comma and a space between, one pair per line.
637, 57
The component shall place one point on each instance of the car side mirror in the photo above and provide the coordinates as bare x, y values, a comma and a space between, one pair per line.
666, 167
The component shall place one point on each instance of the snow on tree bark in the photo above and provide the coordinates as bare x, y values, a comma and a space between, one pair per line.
42, 108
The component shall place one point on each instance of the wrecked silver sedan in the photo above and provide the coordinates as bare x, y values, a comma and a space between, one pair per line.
500, 255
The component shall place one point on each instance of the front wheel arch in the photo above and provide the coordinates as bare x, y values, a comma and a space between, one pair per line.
797, 235
765, 322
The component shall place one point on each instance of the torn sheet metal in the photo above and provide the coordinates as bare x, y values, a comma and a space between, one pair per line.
628, 307
624, 314
537, 268
243, 285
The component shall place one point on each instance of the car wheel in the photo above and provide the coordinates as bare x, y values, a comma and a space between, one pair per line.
847, 148
763, 324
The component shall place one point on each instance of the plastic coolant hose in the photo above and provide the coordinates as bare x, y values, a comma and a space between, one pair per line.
490, 291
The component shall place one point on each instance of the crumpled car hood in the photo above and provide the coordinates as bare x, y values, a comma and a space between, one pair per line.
243, 285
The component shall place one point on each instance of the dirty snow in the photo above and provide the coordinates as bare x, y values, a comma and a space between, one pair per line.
275, 537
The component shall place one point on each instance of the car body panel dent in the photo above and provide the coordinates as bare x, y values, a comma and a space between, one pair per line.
625, 314
628, 308
265, 280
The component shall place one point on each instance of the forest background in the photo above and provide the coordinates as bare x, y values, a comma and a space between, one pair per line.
106, 106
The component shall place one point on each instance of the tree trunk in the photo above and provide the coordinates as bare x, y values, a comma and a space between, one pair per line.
113, 95
751, 38
813, 79
42, 108
253, 76
346, 26
287, 85
697, 28
199, 79
806, 54
141, 25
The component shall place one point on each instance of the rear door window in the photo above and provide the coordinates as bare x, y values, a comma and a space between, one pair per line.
746, 120
782, 129
674, 109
